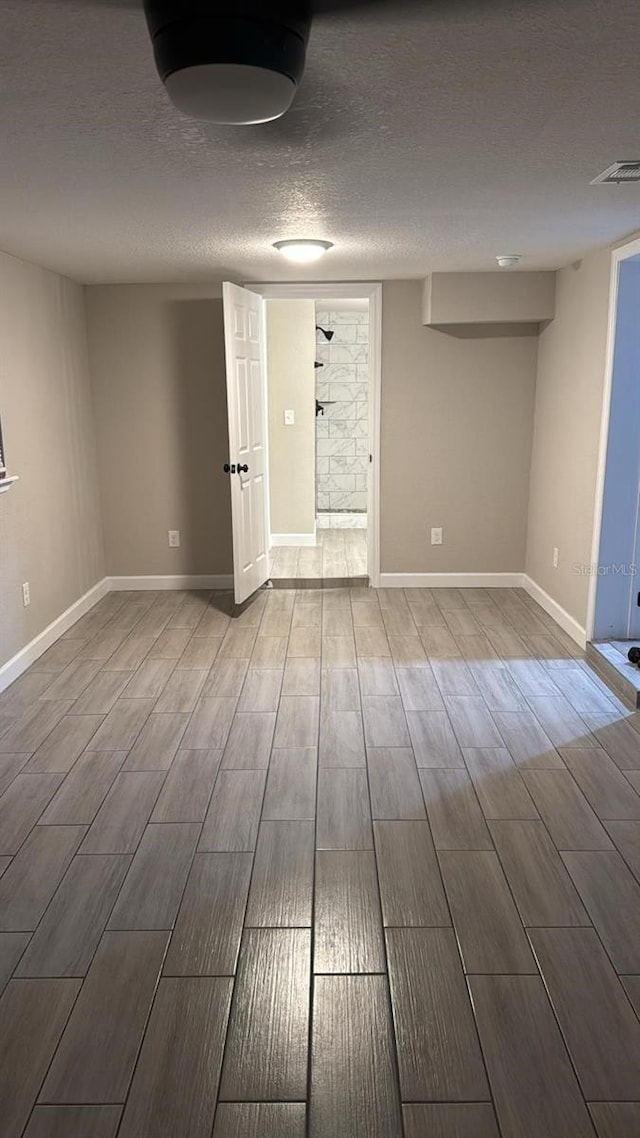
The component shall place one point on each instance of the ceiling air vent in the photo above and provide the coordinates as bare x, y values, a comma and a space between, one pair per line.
619, 172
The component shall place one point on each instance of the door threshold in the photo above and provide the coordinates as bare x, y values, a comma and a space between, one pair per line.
319, 582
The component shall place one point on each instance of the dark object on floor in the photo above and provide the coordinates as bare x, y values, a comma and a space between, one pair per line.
634, 656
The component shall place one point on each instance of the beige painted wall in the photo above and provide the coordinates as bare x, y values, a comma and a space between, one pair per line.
291, 345
50, 531
571, 372
157, 364
457, 418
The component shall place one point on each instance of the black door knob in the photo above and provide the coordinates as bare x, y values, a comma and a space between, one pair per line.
229, 469
243, 469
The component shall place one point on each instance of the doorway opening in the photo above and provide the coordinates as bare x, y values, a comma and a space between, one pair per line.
614, 622
323, 379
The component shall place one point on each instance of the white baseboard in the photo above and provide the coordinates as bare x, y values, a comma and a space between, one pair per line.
560, 615
36, 647
185, 581
293, 539
450, 580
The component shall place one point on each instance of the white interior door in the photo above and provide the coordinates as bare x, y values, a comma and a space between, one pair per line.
245, 348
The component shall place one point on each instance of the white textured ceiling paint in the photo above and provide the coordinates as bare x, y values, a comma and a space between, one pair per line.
415, 144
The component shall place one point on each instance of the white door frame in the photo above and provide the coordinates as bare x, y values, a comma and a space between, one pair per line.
353, 290
622, 253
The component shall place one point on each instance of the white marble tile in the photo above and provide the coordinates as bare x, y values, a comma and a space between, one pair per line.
322, 464
339, 429
322, 428
348, 354
344, 393
343, 464
341, 482
340, 373
362, 447
335, 446
348, 501
345, 334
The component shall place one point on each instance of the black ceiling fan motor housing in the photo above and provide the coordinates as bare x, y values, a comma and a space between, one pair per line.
191, 33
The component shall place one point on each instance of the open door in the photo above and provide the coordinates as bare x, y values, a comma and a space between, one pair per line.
245, 349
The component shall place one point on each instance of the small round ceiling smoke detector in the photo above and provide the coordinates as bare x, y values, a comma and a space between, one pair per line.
508, 260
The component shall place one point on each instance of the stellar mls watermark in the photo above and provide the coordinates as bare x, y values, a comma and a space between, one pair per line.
617, 569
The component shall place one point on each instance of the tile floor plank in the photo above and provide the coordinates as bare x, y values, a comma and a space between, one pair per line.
97, 1053
353, 1079
206, 937
65, 743
530, 747
153, 888
455, 817
626, 837
486, 921
122, 725
33, 1014
565, 811
394, 784
157, 743
411, 889
260, 1120
297, 722
472, 724
12, 946
121, 820
291, 786
450, 1120
28, 732
611, 896
282, 882
541, 886
85, 788
210, 723
188, 787
74, 1122
231, 823
616, 1119
176, 1080
249, 742
498, 784
182, 690
343, 813
534, 1087
267, 1042
600, 1028
33, 876
21, 806
348, 934
69, 932
607, 790
433, 740
438, 1051
261, 691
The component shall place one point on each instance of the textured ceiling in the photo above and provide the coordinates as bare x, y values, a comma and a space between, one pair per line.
416, 143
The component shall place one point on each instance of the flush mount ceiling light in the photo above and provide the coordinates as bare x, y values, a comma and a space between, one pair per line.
508, 260
303, 250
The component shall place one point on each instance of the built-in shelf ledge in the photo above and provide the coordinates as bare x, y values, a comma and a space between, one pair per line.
7, 483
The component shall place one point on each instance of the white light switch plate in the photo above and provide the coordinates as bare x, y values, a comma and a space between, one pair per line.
174, 538
289, 418
436, 536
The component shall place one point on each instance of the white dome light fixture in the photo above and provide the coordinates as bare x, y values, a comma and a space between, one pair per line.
303, 250
508, 260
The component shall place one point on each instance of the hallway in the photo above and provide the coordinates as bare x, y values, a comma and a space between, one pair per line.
357, 864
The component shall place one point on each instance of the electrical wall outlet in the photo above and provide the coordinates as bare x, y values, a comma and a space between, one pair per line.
436, 536
289, 418
174, 538
26, 594
556, 557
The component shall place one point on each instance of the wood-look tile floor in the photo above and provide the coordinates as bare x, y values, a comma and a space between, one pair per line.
356, 864
337, 553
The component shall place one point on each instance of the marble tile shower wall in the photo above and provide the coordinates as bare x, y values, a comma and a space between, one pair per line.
342, 433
